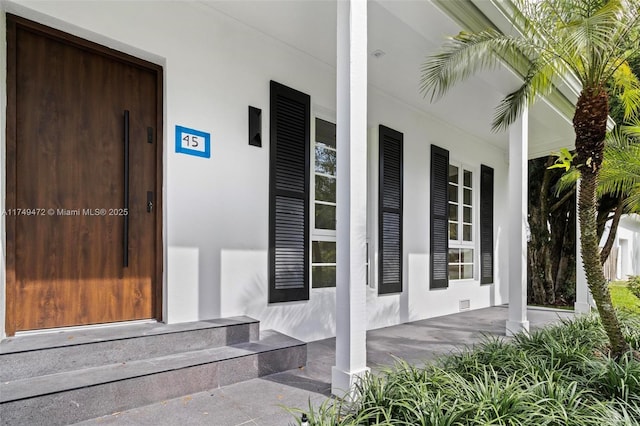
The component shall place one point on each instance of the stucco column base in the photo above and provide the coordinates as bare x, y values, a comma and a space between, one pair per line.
582, 308
515, 327
342, 381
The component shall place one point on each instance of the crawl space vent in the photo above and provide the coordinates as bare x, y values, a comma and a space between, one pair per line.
465, 305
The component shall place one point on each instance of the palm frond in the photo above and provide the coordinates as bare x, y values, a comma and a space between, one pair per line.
627, 85
631, 101
623, 40
539, 81
587, 37
467, 54
541, 21
620, 174
567, 181
591, 39
581, 32
632, 129
618, 139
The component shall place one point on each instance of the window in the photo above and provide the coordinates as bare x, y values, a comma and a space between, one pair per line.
454, 205
460, 263
461, 228
323, 246
323, 264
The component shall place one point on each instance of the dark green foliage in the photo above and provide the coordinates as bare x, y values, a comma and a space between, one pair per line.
551, 250
633, 284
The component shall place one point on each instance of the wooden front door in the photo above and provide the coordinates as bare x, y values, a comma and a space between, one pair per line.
83, 182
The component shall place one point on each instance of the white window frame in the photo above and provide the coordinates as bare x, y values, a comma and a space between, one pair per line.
328, 235
459, 243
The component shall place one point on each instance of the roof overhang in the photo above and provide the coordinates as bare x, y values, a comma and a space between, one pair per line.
406, 31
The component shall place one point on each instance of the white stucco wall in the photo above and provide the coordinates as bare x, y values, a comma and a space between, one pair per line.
216, 210
420, 131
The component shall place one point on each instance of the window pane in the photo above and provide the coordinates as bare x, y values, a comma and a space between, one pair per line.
467, 196
453, 193
467, 256
325, 160
325, 216
467, 214
453, 231
453, 174
454, 256
453, 212
454, 272
325, 189
466, 232
467, 178
323, 276
467, 271
323, 252
326, 133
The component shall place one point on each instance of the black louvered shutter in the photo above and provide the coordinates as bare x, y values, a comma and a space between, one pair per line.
439, 217
289, 195
390, 212
486, 224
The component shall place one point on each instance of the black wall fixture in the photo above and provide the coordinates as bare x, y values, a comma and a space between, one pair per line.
255, 126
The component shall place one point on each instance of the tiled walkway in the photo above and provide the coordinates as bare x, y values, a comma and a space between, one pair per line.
261, 401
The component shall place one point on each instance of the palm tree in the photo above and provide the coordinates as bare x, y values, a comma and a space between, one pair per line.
588, 39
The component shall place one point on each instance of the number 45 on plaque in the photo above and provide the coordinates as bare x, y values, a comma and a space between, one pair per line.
193, 142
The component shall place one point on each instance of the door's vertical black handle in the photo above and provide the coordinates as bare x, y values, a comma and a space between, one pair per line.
125, 259
149, 201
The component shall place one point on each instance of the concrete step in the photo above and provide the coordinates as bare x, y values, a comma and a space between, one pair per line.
73, 396
33, 355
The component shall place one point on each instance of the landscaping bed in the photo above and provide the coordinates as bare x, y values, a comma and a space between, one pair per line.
561, 375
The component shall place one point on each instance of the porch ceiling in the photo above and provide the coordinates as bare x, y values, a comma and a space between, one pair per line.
406, 31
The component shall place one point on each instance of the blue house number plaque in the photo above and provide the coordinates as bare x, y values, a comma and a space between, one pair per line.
193, 142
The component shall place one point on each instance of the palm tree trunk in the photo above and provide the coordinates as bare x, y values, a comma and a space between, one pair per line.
590, 125
593, 267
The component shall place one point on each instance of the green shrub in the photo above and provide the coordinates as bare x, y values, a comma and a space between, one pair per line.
630, 324
633, 284
618, 378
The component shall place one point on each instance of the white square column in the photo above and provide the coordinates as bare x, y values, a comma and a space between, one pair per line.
518, 189
351, 220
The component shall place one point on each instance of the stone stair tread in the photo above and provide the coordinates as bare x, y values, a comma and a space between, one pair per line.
76, 379
75, 337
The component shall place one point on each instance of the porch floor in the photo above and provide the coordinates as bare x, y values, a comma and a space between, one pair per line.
260, 401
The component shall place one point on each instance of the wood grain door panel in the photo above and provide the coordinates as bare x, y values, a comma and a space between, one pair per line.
69, 165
